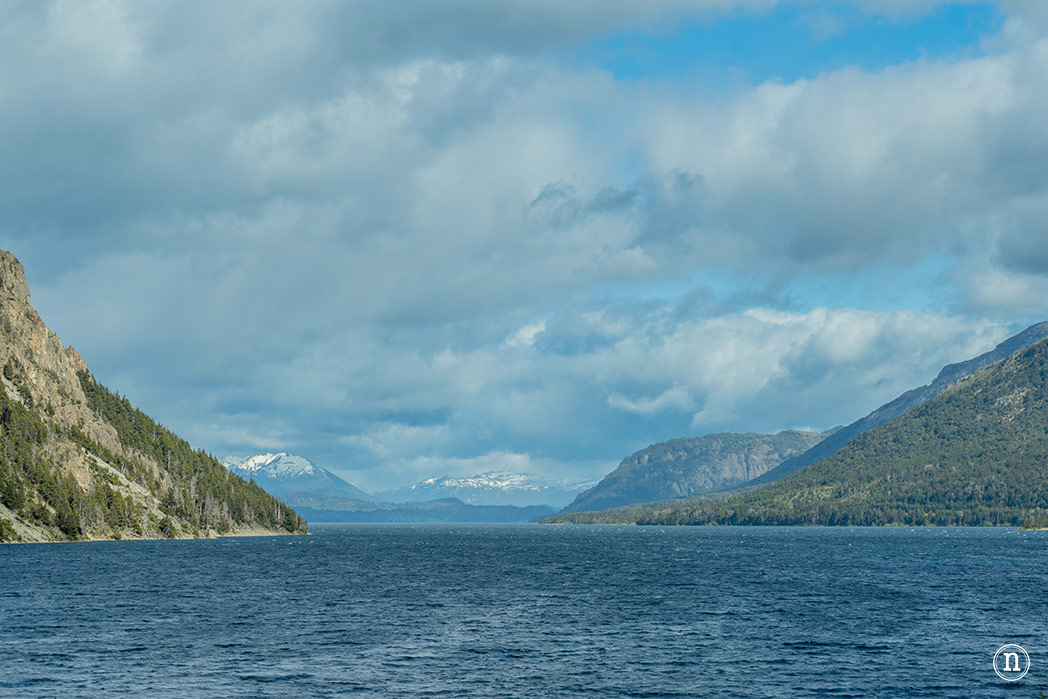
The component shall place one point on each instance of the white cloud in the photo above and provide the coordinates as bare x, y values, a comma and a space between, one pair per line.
398, 237
400, 440
1004, 292
420, 468
525, 336
842, 170
675, 398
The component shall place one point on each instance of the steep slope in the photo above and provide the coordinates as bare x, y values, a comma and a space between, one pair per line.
78, 462
975, 454
683, 467
904, 403
491, 488
282, 473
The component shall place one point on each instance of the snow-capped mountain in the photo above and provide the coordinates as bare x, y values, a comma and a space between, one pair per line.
286, 473
491, 488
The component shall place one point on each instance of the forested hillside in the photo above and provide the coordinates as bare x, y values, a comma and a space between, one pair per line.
80, 462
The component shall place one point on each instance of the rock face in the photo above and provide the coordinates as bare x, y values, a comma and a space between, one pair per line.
690, 466
79, 462
949, 375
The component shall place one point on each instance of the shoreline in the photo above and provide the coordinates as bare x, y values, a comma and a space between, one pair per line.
254, 533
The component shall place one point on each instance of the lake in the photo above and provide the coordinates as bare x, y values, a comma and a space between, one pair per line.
529, 611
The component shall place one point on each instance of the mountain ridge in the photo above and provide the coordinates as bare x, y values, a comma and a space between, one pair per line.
904, 403
691, 466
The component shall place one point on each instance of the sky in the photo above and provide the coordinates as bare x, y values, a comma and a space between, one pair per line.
418, 239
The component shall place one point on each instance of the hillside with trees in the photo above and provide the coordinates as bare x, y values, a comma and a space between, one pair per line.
78, 461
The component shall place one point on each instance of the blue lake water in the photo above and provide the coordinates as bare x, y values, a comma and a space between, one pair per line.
529, 611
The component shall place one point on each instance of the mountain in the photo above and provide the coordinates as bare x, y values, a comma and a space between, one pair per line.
324, 497
693, 465
904, 403
286, 473
491, 488
328, 508
975, 454
80, 462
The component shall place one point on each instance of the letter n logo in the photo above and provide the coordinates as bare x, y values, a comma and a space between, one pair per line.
1011, 662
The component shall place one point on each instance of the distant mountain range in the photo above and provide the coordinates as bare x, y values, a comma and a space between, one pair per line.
286, 473
488, 497
975, 452
693, 465
327, 508
491, 488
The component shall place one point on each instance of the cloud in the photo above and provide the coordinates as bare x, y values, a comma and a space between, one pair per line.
400, 236
525, 336
675, 398
840, 171
421, 468
762, 369
769, 368
1025, 247
386, 439
1003, 292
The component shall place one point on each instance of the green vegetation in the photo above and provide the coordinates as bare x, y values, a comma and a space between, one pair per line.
30, 483
194, 486
7, 531
977, 454
628, 514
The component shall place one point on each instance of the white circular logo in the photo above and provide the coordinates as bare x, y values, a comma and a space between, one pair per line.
1011, 662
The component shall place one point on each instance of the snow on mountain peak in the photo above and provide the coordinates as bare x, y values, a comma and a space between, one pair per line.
279, 465
489, 488
491, 480
287, 473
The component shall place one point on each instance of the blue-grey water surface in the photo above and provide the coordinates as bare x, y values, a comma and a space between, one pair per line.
528, 611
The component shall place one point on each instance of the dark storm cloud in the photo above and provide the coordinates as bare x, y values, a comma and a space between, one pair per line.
1026, 251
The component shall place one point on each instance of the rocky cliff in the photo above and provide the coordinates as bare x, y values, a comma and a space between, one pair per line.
691, 466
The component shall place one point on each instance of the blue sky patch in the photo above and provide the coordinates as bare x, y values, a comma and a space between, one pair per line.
792, 42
